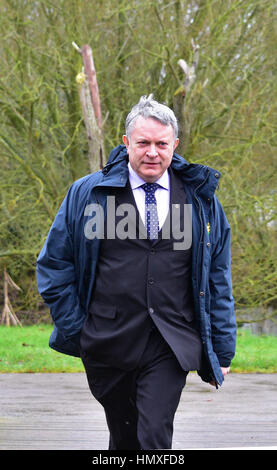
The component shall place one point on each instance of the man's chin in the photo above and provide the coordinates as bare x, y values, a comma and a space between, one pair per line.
150, 175
150, 178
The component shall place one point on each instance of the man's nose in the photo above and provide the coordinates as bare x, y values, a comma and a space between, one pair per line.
152, 152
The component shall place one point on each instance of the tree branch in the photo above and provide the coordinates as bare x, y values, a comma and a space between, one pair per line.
180, 98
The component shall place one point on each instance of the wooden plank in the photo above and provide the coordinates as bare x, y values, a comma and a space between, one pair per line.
57, 411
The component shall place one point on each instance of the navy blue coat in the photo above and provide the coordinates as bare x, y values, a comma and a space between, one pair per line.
67, 262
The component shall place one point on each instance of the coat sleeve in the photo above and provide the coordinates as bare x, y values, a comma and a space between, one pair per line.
223, 323
56, 277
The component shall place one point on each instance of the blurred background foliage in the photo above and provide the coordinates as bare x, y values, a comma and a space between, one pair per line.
230, 111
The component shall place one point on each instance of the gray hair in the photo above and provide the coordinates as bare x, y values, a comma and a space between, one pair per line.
147, 107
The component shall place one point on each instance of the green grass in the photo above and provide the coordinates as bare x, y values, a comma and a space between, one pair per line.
255, 353
26, 350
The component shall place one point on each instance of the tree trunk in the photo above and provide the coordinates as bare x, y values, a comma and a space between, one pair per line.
91, 107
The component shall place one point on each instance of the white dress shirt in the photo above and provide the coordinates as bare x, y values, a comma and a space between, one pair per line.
162, 194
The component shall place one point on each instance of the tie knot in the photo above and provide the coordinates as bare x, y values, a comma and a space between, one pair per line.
150, 187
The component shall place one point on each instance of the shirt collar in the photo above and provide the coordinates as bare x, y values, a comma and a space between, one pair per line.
136, 180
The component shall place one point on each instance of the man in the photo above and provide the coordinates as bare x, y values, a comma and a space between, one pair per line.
142, 310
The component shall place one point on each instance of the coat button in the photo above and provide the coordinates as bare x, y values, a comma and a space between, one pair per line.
208, 244
151, 310
151, 281
216, 175
201, 293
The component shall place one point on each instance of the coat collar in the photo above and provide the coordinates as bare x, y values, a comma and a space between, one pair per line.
203, 179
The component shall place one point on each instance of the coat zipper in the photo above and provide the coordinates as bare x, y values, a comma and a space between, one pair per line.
202, 225
201, 240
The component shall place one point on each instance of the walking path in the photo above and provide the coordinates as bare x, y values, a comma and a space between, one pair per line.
58, 412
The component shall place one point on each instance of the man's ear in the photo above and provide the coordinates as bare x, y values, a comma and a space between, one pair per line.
176, 143
126, 141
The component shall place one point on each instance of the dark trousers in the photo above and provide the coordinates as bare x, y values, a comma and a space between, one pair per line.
139, 405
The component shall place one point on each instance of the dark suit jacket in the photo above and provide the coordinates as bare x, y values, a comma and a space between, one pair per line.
141, 283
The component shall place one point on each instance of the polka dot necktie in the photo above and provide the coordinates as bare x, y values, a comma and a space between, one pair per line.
151, 212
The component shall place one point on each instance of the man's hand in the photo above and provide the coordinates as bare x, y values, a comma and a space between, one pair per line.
225, 371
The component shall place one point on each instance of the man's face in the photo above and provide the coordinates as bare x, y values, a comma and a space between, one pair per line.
150, 148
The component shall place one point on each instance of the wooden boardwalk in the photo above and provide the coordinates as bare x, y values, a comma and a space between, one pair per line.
58, 412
